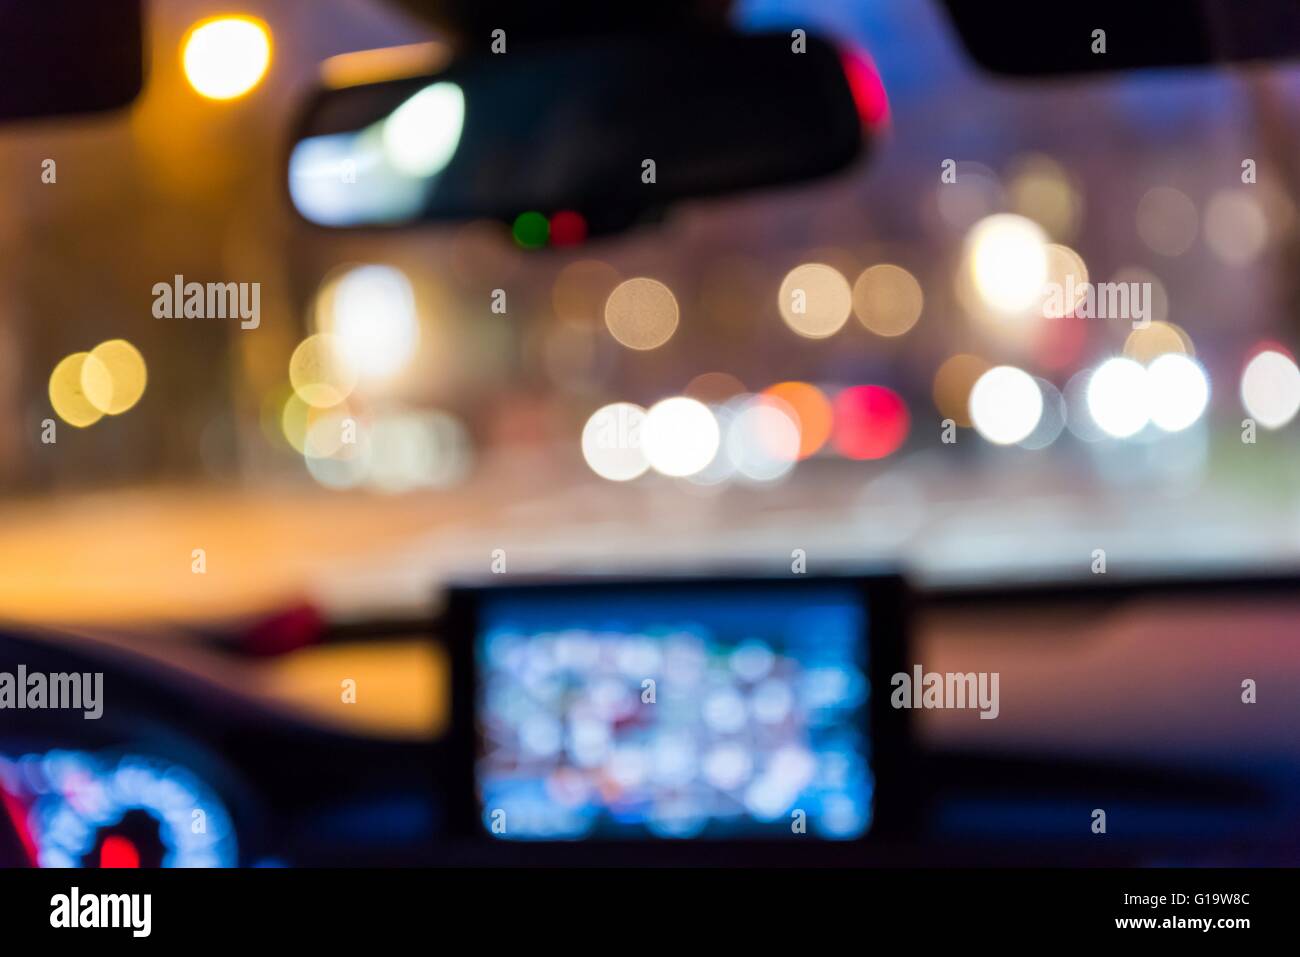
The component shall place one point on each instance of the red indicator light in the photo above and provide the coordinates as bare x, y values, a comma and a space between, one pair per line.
18, 817
117, 851
568, 228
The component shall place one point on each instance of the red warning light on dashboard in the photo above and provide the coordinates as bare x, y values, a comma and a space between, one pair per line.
117, 851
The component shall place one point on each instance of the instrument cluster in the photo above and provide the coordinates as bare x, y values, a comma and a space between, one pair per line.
112, 808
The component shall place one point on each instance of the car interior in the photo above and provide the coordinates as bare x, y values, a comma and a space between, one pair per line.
745, 432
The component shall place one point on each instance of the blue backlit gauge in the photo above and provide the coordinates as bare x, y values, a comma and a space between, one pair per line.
88, 810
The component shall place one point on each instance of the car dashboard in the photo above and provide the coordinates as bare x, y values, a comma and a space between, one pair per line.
181, 771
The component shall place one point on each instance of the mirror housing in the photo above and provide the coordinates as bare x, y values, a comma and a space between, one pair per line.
610, 130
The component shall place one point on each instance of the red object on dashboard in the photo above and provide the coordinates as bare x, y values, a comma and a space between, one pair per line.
118, 851
284, 631
17, 815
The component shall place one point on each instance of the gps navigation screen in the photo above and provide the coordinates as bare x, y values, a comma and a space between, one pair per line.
716, 714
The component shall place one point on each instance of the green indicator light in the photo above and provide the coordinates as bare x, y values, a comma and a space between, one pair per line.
531, 229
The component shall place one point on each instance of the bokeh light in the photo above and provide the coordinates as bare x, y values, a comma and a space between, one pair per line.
1059, 345
680, 436
67, 394
421, 135
721, 470
611, 442
1270, 389
1051, 423
1040, 189
294, 421
641, 313
531, 230
114, 378
815, 300
312, 431
328, 431
1078, 419
370, 313
1147, 344
812, 410
871, 422
952, 386
887, 299
319, 375
394, 451
763, 439
225, 57
568, 228
1005, 405
344, 179
1179, 391
1006, 262
1119, 397
345, 469
1066, 283
410, 450
866, 85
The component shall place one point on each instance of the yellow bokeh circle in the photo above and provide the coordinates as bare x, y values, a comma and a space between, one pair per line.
225, 57
114, 377
66, 393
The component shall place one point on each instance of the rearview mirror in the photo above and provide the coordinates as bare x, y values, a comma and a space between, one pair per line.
607, 132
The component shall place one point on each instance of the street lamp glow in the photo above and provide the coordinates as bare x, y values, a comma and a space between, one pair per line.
225, 57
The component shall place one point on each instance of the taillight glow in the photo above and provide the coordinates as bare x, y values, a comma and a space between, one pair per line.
868, 89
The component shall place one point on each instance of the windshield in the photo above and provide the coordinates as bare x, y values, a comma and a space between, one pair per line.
909, 413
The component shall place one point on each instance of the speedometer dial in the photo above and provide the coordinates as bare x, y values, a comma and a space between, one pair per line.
93, 810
